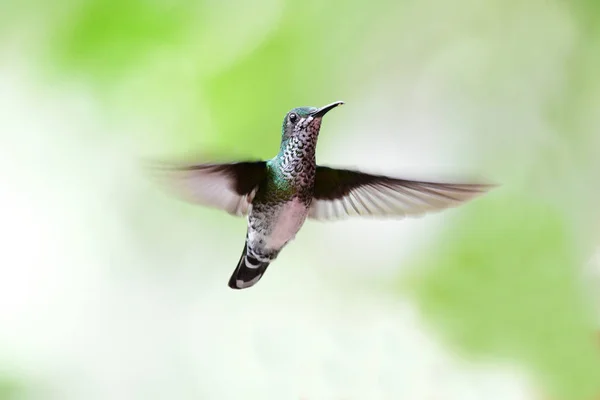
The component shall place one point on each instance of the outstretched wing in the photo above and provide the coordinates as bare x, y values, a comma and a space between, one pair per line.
230, 187
341, 193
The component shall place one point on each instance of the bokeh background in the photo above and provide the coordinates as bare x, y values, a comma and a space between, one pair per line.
112, 289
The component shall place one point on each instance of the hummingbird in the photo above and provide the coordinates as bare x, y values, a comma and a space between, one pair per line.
278, 195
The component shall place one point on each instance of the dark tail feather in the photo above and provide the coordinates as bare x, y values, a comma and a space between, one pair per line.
248, 271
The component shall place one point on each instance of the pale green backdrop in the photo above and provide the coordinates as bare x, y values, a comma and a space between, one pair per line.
111, 289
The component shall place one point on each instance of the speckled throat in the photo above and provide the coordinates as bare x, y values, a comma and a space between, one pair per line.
296, 162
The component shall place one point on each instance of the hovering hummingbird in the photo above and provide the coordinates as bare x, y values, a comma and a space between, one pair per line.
278, 195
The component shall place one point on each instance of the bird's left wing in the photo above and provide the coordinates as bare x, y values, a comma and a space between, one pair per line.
341, 193
230, 187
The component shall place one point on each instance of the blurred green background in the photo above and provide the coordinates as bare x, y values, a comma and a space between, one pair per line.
111, 289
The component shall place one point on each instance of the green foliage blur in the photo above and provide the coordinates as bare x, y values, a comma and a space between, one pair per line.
504, 280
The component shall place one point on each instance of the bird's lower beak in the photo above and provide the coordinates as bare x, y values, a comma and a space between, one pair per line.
325, 109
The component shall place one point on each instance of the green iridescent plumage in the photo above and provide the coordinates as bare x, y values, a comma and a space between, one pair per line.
276, 187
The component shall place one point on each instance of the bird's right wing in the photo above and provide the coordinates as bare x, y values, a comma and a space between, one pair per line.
341, 193
230, 187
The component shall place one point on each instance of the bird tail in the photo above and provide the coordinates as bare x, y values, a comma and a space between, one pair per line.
248, 271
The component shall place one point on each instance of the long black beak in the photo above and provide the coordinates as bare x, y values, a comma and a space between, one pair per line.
325, 109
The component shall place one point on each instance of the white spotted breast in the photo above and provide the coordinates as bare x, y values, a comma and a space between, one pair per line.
285, 221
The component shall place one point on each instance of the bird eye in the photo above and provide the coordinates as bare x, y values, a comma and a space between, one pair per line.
293, 117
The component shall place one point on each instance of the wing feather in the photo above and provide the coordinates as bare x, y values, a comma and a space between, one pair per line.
230, 187
342, 193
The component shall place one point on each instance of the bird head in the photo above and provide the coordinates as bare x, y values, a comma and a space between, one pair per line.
305, 121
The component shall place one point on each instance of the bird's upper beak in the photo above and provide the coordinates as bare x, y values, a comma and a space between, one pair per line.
325, 109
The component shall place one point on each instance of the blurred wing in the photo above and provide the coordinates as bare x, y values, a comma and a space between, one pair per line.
343, 193
229, 187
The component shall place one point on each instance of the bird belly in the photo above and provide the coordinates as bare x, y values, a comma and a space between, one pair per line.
287, 224
283, 224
